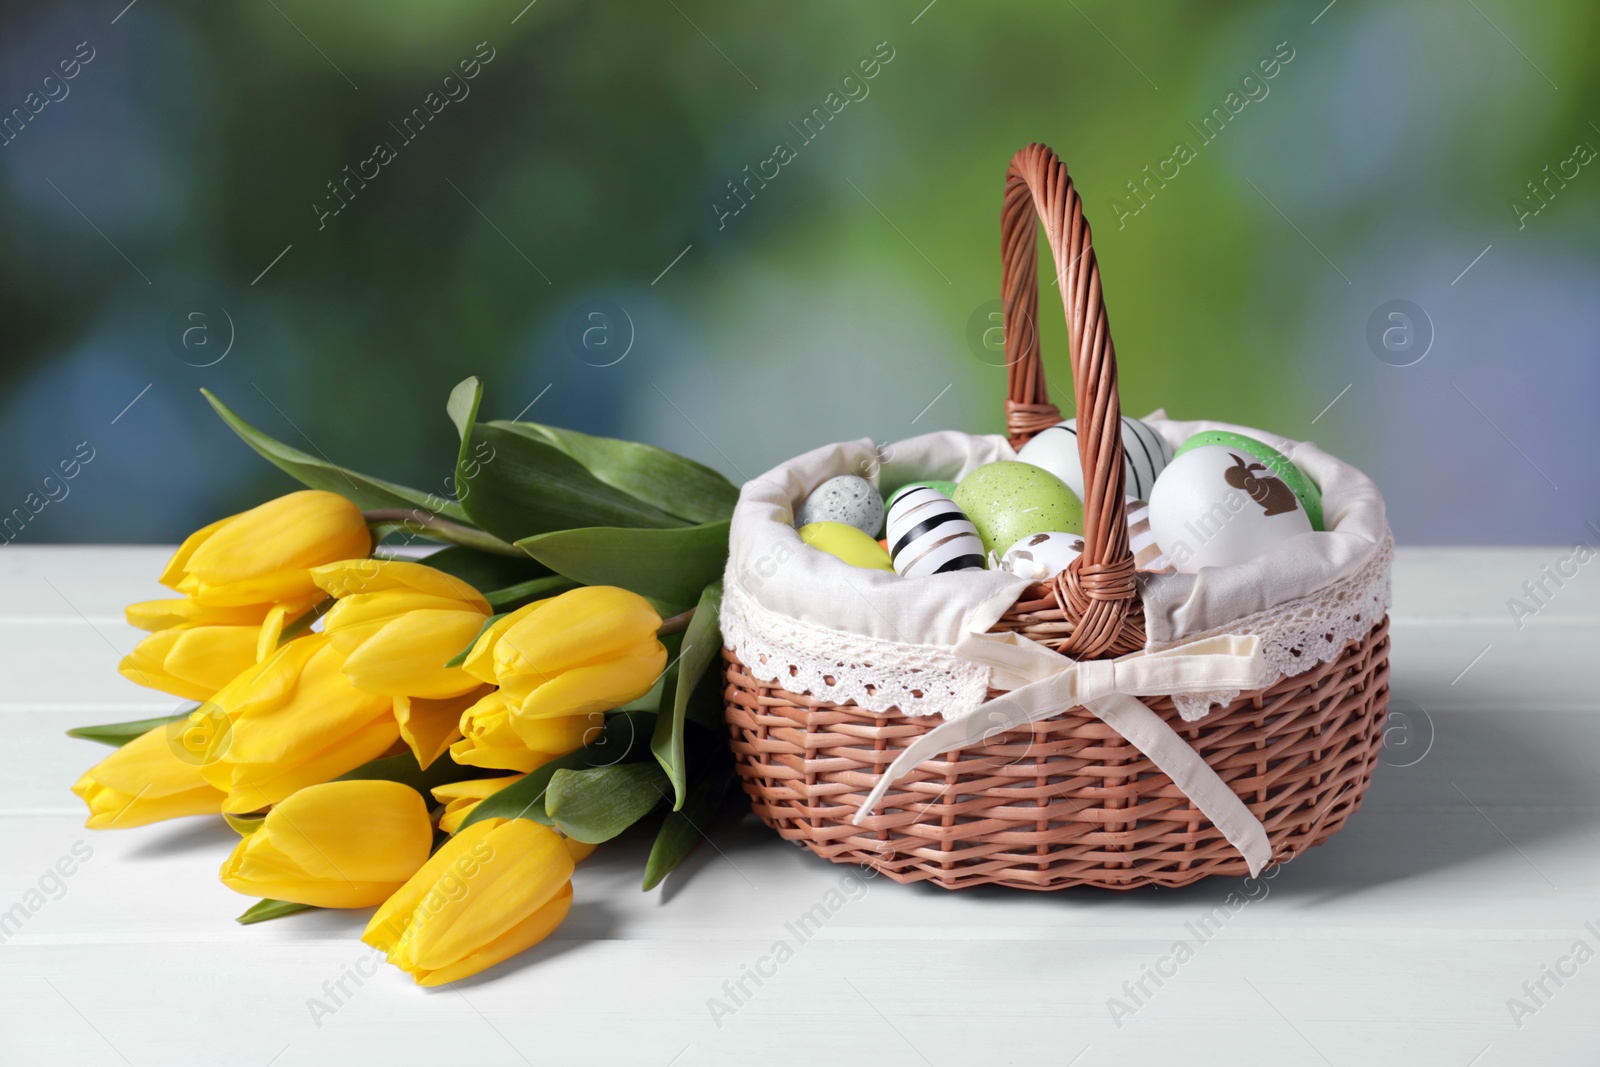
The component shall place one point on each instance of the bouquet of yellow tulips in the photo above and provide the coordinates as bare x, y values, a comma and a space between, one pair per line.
436, 706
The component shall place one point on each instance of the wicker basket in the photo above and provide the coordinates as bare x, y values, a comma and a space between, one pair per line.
1066, 801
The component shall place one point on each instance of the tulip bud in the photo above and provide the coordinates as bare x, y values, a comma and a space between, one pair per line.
587, 650
264, 555
399, 623
490, 739
459, 798
497, 887
143, 782
192, 661
334, 845
294, 720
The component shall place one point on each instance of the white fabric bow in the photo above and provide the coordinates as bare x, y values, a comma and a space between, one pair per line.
1043, 683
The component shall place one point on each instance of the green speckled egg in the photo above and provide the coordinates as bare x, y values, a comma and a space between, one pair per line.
1008, 501
1296, 479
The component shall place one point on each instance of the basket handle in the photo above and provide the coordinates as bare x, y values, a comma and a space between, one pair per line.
1099, 592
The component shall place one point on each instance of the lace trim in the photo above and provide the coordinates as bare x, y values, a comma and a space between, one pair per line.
917, 680
1305, 633
878, 675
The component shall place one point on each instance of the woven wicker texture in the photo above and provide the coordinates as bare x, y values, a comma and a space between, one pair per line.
1067, 801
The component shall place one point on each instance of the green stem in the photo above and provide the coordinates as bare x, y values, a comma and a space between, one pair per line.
676, 624
444, 530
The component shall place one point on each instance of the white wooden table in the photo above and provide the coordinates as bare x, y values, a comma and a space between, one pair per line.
1472, 869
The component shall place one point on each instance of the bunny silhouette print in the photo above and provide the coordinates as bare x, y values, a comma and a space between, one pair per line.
1270, 492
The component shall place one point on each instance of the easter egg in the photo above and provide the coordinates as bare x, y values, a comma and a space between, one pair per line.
1216, 506
847, 543
928, 534
947, 488
1146, 454
1147, 554
849, 499
1280, 464
1041, 556
1009, 500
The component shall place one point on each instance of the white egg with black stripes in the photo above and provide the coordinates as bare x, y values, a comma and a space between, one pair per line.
1056, 450
929, 534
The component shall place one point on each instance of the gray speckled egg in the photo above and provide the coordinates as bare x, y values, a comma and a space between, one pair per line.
849, 499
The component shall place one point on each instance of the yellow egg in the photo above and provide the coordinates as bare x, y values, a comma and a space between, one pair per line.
848, 544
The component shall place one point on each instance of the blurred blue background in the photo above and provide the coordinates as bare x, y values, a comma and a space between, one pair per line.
570, 203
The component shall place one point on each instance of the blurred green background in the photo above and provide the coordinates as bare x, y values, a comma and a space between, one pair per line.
185, 169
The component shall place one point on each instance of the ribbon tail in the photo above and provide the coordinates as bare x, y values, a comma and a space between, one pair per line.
1150, 734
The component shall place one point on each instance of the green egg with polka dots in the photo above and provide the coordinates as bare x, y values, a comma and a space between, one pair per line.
1281, 465
1008, 501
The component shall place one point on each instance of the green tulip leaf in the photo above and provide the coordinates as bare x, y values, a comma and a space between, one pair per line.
676, 485
403, 769
515, 596
668, 566
318, 473
117, 734
262, 910
484, 570
599, 803
702, 644
622, 737
462, 407
514, 483
686, 827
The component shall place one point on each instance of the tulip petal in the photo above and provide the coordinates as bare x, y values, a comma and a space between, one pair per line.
354, 577
407, 656
480, 661
455, 857
160, 614
580, 627
254, 786
263, 555
211, 656
459, 798
558, 734
335, 845
142, 782
429, 727
527, 867
489, 741
529, 932
596, 688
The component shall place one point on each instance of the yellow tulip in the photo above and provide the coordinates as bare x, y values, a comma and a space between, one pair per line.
490, 740
497, 887
291, 721
334, 845
459, 798
264, 555
398, 623
192, 661
587, 650
143, 782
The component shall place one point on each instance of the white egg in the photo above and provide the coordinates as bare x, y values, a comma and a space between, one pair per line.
1056, 450
1216, 506
1147, 554
1041, 556
929, 534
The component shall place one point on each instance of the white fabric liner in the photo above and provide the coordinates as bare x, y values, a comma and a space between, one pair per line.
802, 619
